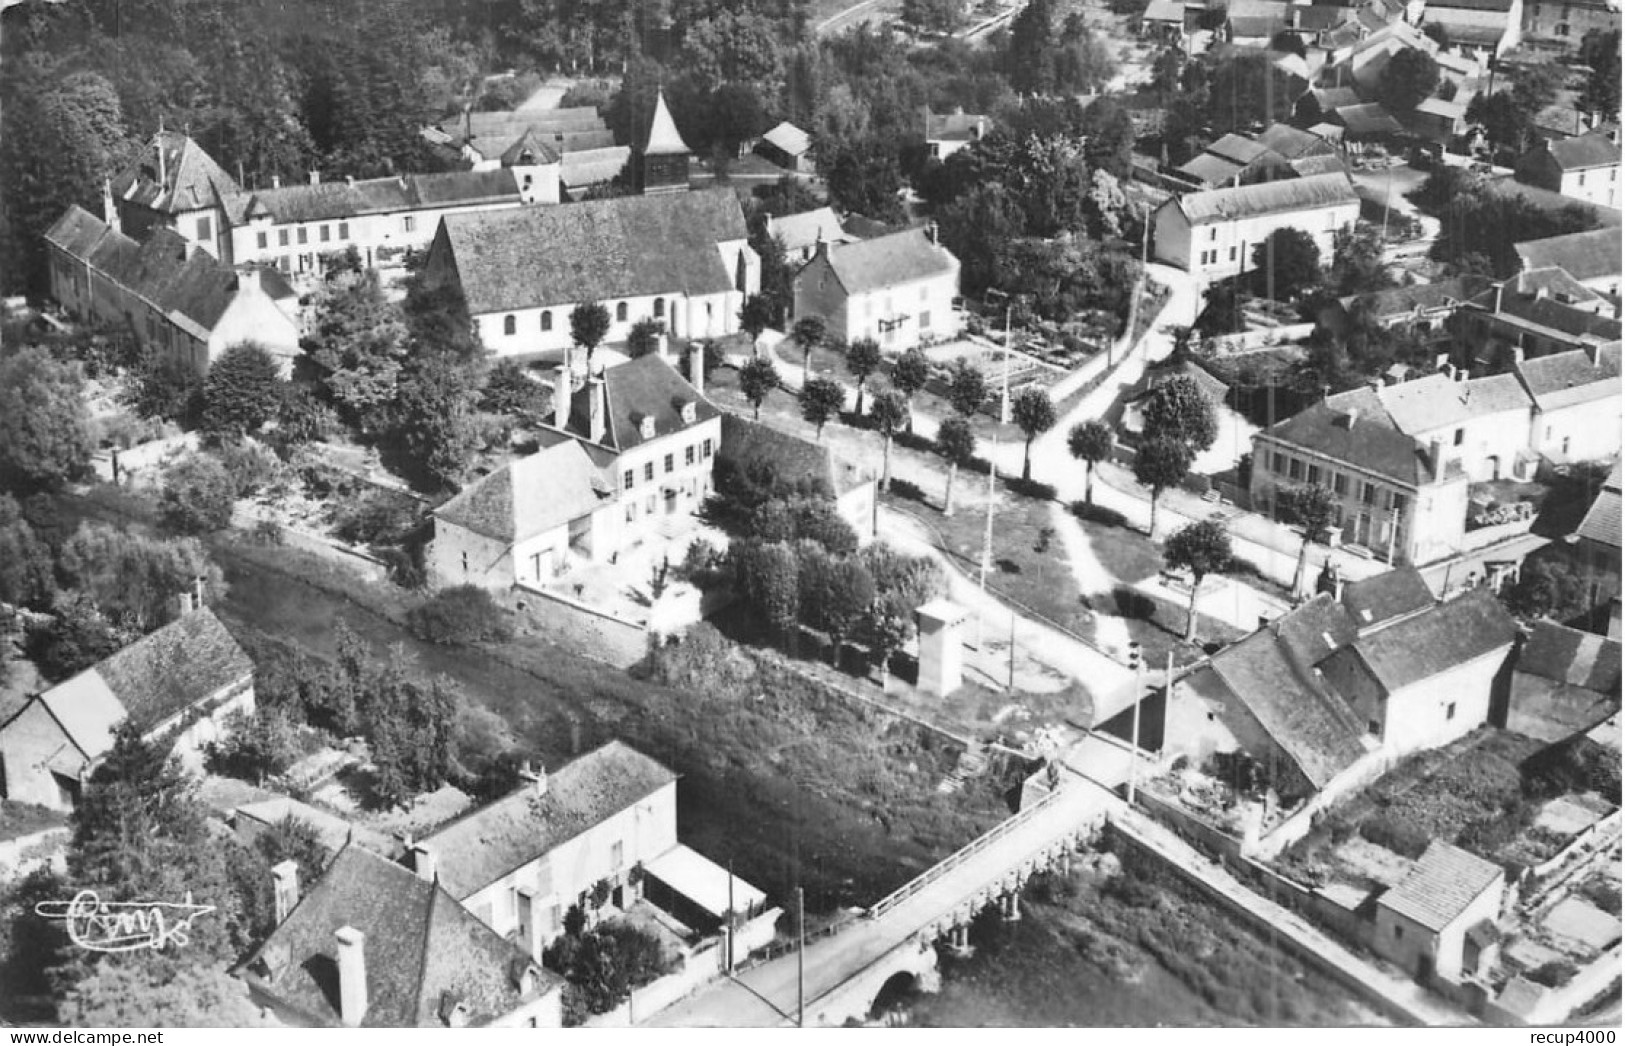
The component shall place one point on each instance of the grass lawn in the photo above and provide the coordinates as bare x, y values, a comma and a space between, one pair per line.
20, 819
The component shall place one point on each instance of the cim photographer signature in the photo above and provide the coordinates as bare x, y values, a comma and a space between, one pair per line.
124, 926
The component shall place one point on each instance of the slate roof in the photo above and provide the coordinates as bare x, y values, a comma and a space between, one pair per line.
151, 680
1602, 520
662, 138
1212, 388
190, 287
1439, 639
1434, 401
955, 126
186, 179
1368, 119
1331, 99
645, 387
788, 139
1271, 673
887, 261
1384, 597
1395, 302
1293, 194
336, 200
1553, 315
1583, 255
593, 166
596, 250
1555, 283
745, 442
536, 144
1443, 883
1211, 170
486, 844
1310, 166
1371, 441
1566, 378
800, 231
420, 944
1584, 152
1293, 143
1164, 11
530, 496
1568, 655
1238, 148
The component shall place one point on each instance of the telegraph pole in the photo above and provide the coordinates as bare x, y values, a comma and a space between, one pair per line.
987, 533
1137, 662
801, 958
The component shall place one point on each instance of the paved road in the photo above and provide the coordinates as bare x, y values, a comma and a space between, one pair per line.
765, 996
857, 13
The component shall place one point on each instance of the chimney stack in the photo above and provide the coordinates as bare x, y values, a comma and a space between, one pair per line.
1517, 354
537, 778
315, 177
1436, 459
931, 231
696, 364
285, 888
561, 397
248, 279
109, 209
184, 601
596, 407
163, 161
276, 181
663, 346
423, 862
352, 962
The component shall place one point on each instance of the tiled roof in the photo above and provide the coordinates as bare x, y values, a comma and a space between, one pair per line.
955, 127
1211, 170
1433, 642
1212, 388
1333, 98
1402, 301
745, 442
1293, 194
540, 151
1585, 151
1441, 886
1547, 200
1566, 378
187, 178
419, 945
1555, 283
1239, 149
1583, 255
175, 667
1271, 672
647, 387
1310, 166
887, 261
1549, 313
1386, 596
88, 711
1602, 520
662, 138
1368, 119
490, 842
1433, 401
530, 496
1164, 11
1436, 106
1568, 655
410, 192
596, 250
788, 138
800, 231
1353, 427
512, 124
1294, 144
593, 166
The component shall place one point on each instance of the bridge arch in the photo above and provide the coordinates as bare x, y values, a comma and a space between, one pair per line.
914, 962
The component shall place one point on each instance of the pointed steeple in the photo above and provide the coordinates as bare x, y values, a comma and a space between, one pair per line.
663, 139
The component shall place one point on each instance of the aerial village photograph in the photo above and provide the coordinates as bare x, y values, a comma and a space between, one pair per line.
810, 514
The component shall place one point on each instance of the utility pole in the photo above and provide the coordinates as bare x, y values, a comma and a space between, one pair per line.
801, 958
731, 919
1012, 682
987, 532
1137, 662
1004, 394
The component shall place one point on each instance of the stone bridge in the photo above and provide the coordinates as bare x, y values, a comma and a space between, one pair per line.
841, 971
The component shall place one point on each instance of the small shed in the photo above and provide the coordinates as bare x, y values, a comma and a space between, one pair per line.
1434, 922
788, 146
942, 646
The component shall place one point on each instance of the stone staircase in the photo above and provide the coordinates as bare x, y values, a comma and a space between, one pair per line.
972, 762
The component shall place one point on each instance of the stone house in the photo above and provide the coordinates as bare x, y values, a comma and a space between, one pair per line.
1577, 402
1439, 921
750, 444
802, 233
1565, 682
899, 289
1211, 234
371, 945
178, 686
1584, 167
630, 449
681, 259
173, 297
172, 183
1486, 28
1592, 258
951, 132
1560, 25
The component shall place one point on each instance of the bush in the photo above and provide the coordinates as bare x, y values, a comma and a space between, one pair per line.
1031, 488
255, 746
374, 517
198, 495
1106, 517
459, 616
1133, 604
1402, 838
1553, 974
251, 467
907, 491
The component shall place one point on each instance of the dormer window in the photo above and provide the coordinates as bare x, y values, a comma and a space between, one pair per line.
687, 412
646, 427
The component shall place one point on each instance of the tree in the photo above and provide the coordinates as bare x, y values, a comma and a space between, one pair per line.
1546, 588
967, 387
161, 994
809, 332
821, 399
1160, 463
1030, 61
1177, 409
863, 176
1288, 263
437, 416
836, 593
45, 436
198, 495
1358, 266
461, 615
509, 390
755, 316
26, 567
1033, 412
862, 360
164, 385
934, 16
134, 579
957, 443
757, 378
75, 637
1202, 548
1599, 49
1091, 443
769, 577
242, 391
887, 411
908, 376
360, 343
644, 337
589, 324
1311, 507
886, 628
1410, 76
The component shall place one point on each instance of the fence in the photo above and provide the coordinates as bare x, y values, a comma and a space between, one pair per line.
958, 857
1362, 772
607, 637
